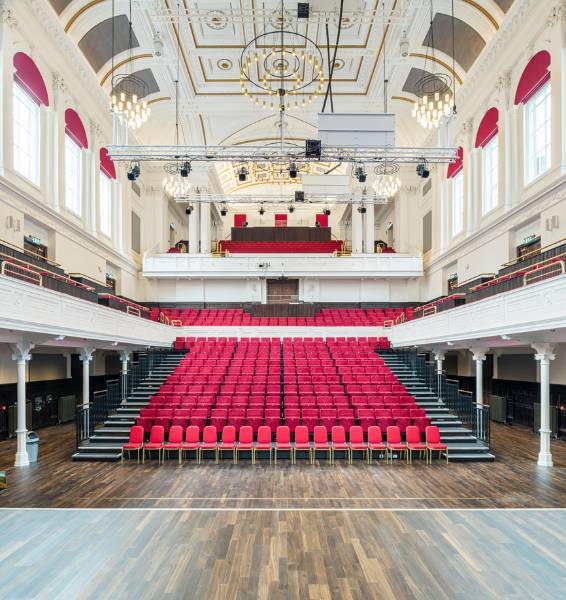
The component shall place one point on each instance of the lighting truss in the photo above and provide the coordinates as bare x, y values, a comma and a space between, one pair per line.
285, 154
351, 198
218, 14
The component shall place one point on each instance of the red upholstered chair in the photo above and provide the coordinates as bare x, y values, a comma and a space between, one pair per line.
320, 440
394, 443
357, 443
414, 443
375, 443
282, 440
191, 443
433, 442
245, 441
263, 443
302, 443
338, 436
156, 437
135, 442
228, 442
174, 442
209, 442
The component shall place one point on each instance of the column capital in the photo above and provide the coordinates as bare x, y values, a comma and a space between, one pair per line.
125, 354
86, 353
22, 350
439, 354
479, 353
544, 351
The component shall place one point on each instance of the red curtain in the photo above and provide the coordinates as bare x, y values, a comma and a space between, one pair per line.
456, 166
27, 75
74, 128
322, 220
488, 128
239, 220
535, 75
107, 164
281, 220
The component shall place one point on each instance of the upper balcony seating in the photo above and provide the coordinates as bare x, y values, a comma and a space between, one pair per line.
327, 317
281, 247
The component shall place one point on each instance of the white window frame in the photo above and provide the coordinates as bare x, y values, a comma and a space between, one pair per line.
490, 163
105, 204
73, 176
26, 135
458, 203
537, 133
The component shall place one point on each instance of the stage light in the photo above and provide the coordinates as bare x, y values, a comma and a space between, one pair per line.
362, 210
293, 171
242, 174
185, 169
326, 212
291, 209
360, 174
261, 210
223, 212
134, 171
188, 210
423, 171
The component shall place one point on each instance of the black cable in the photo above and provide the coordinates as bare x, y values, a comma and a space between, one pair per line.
328, 54
334, 57
333, 168
453, 65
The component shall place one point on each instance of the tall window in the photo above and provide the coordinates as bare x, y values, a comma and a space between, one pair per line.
457, 204
537, 133
26, 134
72, 176
105, 204
490, 196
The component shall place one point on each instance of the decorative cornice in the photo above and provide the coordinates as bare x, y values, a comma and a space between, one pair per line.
7, 14
557, 14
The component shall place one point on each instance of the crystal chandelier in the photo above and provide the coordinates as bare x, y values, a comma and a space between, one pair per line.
281, 70
128, 91
434, 91
387, 181
175, 185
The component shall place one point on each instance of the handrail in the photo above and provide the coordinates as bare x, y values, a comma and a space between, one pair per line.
536, 275
90, 279
23, 262
163, 318
24, 251
20, 272
534, 253
124, 301
133, 310
460, 283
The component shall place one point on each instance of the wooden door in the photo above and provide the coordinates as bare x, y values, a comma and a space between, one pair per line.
282, 291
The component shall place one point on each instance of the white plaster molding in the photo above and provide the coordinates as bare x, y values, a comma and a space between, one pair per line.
479, 354
21, 350
544, 351
7, 16
86, 353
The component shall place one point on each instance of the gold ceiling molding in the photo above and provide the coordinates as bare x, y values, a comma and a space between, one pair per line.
484, 12
160, 99
270, 116
81, 11
438, 62
403, 99
203, 129
121, 64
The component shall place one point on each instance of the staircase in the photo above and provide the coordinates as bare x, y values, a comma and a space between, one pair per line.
462, 445
106, 443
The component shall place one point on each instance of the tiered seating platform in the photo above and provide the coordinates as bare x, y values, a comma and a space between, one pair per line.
328, 247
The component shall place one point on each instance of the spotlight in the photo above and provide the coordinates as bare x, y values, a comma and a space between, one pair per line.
188, 210
223, 211
422, 170
261, 211
185, 169
291, 209
360, 174
326, 212
362, 210
299, 196
242, 174
245, 224
134, 171
293, 171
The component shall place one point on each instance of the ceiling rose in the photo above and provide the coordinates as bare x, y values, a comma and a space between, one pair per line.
216, 19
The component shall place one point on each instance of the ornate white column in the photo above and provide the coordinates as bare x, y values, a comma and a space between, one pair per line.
369, 245
194, 222
479, 354
21, 353
205, 238
439, 356
56, 142
544, 354
93, 183
124, 357
556, 23
86, 356
357, 230
507, 141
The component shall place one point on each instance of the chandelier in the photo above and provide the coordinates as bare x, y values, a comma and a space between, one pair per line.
435, 98
387, 181
281, 69
128, 90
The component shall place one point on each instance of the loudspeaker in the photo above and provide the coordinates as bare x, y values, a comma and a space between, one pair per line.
313, 148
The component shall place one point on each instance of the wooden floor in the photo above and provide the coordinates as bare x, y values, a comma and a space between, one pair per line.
96, 530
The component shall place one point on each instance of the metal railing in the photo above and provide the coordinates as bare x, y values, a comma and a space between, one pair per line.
473, 416
105, 402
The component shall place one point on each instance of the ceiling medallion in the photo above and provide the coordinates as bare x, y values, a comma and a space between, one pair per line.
279, 20
338, 64
347, 21
216, 19
224, 64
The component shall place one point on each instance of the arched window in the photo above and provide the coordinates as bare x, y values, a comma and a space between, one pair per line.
533, 91
75, 141
107, 174
455, 173
29, 93
488, 140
